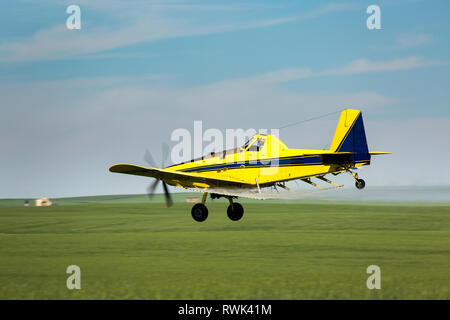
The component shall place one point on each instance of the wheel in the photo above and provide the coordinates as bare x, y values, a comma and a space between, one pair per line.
360, 183
199, 212
236, 212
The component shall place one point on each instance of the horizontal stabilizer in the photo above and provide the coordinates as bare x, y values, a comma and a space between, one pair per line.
374, 153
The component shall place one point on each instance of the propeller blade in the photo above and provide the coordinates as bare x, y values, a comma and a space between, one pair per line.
151, 188
165, 154
149, 159
169, 201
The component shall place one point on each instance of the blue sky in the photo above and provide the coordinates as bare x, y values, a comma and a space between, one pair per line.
76, 101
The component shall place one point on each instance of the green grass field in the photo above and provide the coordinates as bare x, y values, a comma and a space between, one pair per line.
130, 249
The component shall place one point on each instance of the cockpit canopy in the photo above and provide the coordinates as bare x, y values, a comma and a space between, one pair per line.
254, 144
260, 142
263, 143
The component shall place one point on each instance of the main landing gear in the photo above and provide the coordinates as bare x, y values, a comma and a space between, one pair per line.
235, 210
359, 183
199, 212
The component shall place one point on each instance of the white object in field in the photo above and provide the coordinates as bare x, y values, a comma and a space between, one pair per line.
192, 199
43, 202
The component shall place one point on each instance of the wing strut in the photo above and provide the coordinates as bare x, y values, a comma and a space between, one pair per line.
308, 180
257, 184
328, 181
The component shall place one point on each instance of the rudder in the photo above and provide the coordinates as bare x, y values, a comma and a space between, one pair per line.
350, 136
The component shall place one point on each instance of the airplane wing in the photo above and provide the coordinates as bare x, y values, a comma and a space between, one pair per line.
180, 179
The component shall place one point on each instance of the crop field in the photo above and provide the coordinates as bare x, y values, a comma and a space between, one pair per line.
128, 248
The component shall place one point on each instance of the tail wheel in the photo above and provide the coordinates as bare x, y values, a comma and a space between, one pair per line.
360, 183
199, 212
236, 212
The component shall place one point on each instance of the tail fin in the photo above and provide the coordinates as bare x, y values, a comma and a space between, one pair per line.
350, 136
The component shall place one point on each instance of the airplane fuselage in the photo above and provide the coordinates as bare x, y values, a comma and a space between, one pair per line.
256, 167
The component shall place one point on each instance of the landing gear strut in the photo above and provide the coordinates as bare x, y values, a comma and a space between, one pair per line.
359, 183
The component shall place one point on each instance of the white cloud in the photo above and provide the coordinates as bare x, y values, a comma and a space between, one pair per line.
352, 68
153, 21
366, 65
416, 40
83, 102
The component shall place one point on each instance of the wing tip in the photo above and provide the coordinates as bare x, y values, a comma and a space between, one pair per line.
114, 167
120, 167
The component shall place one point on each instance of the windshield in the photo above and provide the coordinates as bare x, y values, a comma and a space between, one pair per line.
246, 144
257, 145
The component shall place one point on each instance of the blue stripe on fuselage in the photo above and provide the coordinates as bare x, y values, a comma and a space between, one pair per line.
261, 163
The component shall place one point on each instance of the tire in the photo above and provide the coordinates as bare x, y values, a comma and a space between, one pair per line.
236, 212
360, 184
199, 212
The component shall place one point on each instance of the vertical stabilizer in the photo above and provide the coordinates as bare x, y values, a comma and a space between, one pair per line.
350, 135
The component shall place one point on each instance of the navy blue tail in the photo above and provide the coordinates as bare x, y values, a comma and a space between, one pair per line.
356, 142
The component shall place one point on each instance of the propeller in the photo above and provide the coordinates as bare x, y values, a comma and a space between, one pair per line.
151, 188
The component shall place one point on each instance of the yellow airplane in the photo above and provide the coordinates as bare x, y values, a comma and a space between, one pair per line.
264, 161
